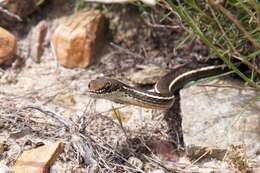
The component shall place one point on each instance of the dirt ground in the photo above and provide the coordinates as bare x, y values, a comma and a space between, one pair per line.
45, 102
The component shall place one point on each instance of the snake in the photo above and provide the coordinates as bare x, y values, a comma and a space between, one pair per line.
163, 94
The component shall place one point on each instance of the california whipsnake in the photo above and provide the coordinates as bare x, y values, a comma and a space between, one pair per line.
163, 95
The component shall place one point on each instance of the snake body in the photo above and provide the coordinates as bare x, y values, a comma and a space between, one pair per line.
164, 90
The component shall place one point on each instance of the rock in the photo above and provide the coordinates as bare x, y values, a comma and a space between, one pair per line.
147, 76
137, 163
21, 8
66, 99
38, 160
7, 46
76, 41
216, 117
37, 40
4, 169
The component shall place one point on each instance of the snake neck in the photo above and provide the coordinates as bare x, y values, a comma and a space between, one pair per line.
178, 78
146, 99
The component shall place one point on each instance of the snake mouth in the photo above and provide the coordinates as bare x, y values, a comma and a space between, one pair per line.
95, 91
102, 93
95, 94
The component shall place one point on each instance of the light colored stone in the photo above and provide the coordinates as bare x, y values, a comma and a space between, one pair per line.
4, 169
75, 42
7, 46
148, 75
216, 117
37, 40
66, 99
134, 161
38, 160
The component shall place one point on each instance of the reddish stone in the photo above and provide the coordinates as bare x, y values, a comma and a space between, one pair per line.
38, 160
76, 40
7, 46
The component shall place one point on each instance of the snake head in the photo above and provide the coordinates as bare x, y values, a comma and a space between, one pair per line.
102, 87
119, 92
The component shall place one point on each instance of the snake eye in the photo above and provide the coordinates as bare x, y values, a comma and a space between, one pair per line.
107, 86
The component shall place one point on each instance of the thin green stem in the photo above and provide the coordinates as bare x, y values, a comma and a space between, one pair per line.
182, 12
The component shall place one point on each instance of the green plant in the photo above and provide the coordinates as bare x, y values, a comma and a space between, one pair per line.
78, 5
231, 29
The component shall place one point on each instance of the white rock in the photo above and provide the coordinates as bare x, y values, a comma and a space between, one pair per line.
220, 116
135, 162
4, 169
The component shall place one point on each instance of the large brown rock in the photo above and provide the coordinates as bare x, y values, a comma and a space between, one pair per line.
7, 46
38, 160
76, 40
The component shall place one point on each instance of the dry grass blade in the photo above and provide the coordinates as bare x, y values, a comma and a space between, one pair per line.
236, 22
225, 43
66, 123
